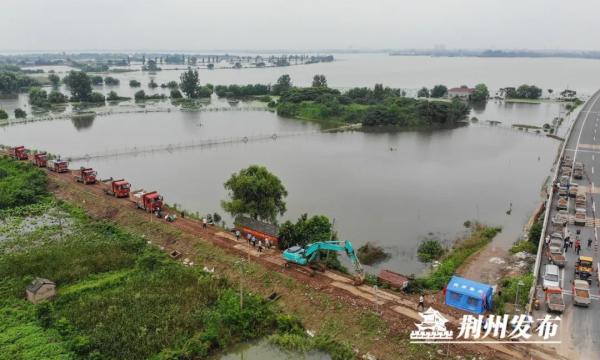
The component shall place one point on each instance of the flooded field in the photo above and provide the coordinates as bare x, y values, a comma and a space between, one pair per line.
393, 189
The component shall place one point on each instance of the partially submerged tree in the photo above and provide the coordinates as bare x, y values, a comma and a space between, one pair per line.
423, 92
284, 83
319, 80
255, 192
190, 83
439, 91
80, 85
480, 94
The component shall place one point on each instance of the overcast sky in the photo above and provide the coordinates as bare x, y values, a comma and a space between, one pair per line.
59, 25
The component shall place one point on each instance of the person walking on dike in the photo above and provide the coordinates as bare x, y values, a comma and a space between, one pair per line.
589, 243
260, 245
249, 237
577, 246
421, 303
237, 235
204, 222
566, 245
253, 241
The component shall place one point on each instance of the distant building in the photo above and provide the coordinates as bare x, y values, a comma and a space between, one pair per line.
260, 229
463, 93
40, 290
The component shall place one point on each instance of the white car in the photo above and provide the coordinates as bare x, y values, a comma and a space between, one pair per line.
551, 276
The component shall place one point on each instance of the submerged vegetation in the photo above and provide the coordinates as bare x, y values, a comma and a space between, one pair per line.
479, 237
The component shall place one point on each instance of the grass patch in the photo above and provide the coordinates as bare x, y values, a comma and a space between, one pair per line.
507, 292
20, 183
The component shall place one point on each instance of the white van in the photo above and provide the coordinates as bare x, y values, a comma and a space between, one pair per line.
551, 276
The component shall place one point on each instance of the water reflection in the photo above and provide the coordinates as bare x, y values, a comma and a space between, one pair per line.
82, 122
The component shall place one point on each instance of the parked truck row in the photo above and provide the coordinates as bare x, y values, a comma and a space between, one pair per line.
150, 201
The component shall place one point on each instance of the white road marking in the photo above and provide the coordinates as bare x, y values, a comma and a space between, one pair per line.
593, 157
592, 169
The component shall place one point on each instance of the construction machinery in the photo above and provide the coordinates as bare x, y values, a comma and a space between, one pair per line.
117, 188
584, 268
18, 152
86, 176
310, 255
40, 159
151, 202
59, 166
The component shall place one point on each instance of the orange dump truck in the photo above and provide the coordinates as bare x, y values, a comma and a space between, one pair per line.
18, 152
59, 166
151, 202
86, 176
40, 159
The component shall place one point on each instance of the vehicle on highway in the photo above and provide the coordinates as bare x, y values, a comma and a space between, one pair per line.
583, 268
578, 170
554, 299
580, 200
573, 190
580, 216
560, 218
551, 277
562, 203
564, 180
581, 293
554, 252
565, 171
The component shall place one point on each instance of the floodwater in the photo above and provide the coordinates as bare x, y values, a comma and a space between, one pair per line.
262, 350
388, 188
393, 189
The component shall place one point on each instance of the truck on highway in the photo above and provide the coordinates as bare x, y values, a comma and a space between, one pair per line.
554, 252
562, 203
578, 170
555, 301
580, 200
560, 218
584, 268
580, 216
573, 190
581, 293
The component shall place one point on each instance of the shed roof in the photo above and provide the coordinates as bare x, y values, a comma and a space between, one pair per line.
38, 283
257, 225
468, 287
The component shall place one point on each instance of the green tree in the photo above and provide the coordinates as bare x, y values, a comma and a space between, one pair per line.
56, 97
255, 192
172, 84
96, 80
54, 79
378, 92
176, 94
152, 84
3, 114
284, 83
319, 81
96, 97
529, 92
439, 91
480, 93
80, 85
305, 231
190, 82
134, 83
111, 81
112, 96
140, 95
423, 92
38, 97
20, 113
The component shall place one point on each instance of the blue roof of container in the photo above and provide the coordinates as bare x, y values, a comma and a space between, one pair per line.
468, 287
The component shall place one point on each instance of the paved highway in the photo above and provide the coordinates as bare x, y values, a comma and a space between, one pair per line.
580, 327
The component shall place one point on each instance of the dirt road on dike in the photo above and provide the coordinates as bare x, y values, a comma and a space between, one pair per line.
397, 307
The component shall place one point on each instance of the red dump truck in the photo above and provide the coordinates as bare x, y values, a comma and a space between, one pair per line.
59, 166
151, 201
40, 159
18, 152
117, 188
86, 175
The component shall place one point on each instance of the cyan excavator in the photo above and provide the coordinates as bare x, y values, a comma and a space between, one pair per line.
309, 256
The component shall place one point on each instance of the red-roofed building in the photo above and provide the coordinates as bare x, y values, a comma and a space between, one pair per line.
463, 92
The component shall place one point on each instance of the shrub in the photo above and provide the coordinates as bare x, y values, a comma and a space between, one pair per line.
3, 114
56, 97
97, 97
176, 94
20, 184
109, 80
20, 113
134, 83
430, 250
112, 96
